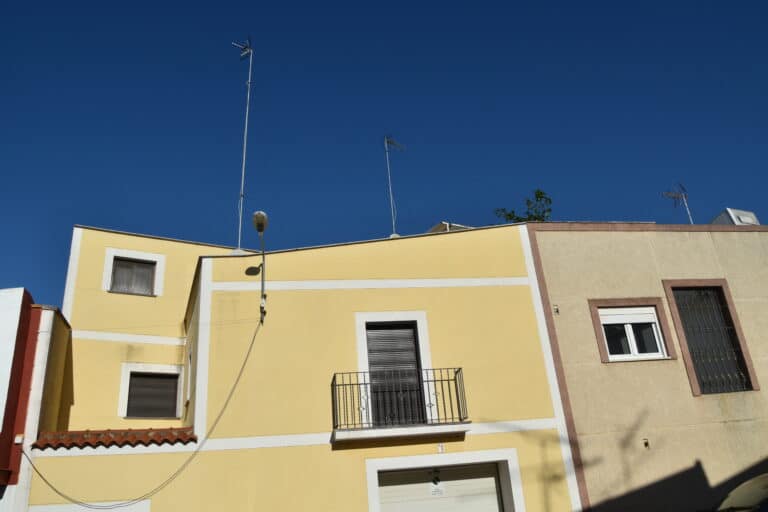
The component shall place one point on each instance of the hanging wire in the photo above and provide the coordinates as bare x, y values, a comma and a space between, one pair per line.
181, 468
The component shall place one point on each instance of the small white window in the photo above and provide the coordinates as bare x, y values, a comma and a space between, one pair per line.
150, 391
632, 333
133, 272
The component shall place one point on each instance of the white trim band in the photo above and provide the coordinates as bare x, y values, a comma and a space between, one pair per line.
362, 284
139, 506
501, 427
311, 439
549, 365
69, 287
119, 337
203, 347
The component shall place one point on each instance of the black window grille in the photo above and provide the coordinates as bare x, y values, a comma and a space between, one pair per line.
712, 340
358, 403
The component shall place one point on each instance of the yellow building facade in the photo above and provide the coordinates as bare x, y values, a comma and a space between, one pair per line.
412, 373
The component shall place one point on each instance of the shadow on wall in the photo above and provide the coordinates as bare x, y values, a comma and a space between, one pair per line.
67, 391
686, 491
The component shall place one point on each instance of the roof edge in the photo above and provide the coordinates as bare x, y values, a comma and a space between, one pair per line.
156, 237
644, 226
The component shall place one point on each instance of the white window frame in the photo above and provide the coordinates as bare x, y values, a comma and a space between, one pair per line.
150, 257
627, 316
125, 382
510, 480
422, 333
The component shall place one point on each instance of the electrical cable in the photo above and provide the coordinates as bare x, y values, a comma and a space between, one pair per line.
181, 468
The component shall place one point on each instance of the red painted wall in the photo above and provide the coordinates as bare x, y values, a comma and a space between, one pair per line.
19, 388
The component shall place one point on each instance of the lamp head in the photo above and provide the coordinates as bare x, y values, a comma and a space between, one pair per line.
260, 221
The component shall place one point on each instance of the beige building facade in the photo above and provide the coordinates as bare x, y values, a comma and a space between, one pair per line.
660, 336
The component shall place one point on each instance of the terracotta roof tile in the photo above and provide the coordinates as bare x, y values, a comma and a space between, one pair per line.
107, 438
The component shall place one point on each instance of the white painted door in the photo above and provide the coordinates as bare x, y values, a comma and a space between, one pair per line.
470, 488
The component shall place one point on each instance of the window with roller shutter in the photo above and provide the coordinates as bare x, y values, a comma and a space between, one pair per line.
397, 391
152, 395
150, 390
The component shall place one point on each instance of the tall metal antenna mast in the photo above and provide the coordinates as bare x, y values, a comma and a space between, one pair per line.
245, 51
390, 142
680, 195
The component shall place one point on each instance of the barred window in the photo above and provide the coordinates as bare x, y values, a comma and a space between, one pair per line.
715, 350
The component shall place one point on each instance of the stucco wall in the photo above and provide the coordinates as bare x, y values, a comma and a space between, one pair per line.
295, 478
272, 448
616, 406
110, 329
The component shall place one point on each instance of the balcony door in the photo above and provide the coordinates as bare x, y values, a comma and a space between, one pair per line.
396, 386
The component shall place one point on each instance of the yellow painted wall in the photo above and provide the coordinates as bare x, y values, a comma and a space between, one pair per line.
97, 370
54, 412
94, 309
489, 331
492, 252
307, 478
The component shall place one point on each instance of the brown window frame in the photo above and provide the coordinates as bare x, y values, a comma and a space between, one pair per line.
669, 285
634, 302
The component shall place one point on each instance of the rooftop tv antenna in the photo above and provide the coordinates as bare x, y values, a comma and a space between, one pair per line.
246, 50
680, 195
389, 142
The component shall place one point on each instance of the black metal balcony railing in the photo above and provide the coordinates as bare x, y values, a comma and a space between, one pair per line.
391, 398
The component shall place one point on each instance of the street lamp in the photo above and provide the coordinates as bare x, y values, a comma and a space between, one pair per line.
260, 222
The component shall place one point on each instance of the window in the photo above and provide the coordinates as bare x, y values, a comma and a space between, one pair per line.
396, 388
394, 345
710, 336
631, 333
150, 391
133, 272
631, 329
133, 276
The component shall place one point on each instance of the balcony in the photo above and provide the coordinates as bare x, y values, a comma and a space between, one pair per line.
398, 403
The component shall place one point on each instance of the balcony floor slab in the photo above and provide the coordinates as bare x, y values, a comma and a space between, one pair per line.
406, 431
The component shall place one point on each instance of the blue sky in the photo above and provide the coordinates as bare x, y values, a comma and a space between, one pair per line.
129, 116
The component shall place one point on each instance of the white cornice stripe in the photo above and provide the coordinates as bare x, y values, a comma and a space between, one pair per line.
139, 506
249, 443
311, 439
120, 337
202, 349
501, 427
18, 499
69, 287
357, 284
